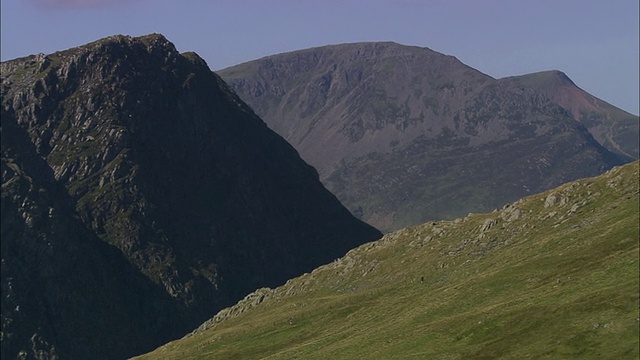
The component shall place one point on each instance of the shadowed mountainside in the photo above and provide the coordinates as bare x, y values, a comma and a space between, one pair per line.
140, 195
403, 134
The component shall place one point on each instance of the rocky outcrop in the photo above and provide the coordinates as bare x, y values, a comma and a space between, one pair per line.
403, 134
151, 153
66, 293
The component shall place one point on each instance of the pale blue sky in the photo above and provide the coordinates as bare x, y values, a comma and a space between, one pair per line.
594, 42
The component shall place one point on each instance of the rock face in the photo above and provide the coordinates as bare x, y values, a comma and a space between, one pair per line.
615, 129
404, 134
484, 286
140, 196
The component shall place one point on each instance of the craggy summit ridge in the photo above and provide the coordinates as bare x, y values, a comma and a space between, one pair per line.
614, 128
152, 153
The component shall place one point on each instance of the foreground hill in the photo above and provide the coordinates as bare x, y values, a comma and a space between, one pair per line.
553, 275
614, 128
140, 196
403, 134
65, 292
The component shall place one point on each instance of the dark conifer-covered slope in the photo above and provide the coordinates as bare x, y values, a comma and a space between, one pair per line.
140, 195
403, 134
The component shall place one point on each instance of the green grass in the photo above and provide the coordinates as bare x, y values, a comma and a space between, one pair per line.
541, 285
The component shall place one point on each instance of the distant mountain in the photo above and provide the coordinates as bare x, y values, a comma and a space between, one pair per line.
403, 134
64, 290
140, 196
553, 275
615, 129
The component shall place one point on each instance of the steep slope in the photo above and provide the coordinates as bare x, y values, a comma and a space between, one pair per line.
553, 275
615, 129
160, 159
404, 134
64, 291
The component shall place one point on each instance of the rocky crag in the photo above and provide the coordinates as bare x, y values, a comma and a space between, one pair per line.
140, 196
404, 134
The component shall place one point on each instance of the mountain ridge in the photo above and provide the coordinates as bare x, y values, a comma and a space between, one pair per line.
551, 275
615, 128
158, 158
391, 128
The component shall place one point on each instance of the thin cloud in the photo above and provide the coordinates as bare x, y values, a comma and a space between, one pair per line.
80, 4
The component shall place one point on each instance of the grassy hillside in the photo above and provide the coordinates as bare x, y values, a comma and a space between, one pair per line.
614, 128
553, 275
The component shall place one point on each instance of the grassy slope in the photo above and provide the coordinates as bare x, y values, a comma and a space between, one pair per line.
552, 276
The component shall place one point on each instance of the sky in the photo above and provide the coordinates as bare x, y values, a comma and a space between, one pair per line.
595, 42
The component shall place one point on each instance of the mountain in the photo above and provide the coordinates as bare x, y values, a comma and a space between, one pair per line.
140, 196
615, 129
403, 134
65, 291
554, 275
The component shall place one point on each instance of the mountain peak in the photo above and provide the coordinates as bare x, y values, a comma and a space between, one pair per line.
160, 162
614, 128
375, 118
151, 41
551, 78
560, 75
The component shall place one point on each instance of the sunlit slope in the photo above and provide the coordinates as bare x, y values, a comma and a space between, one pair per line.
554, 275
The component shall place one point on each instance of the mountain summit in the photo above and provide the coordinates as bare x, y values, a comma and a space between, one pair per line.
614, 128
132, 172
403, 134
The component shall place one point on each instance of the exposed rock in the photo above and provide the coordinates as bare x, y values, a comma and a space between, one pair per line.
615, 129
517, 270
510, 213
488, 224
404, 135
